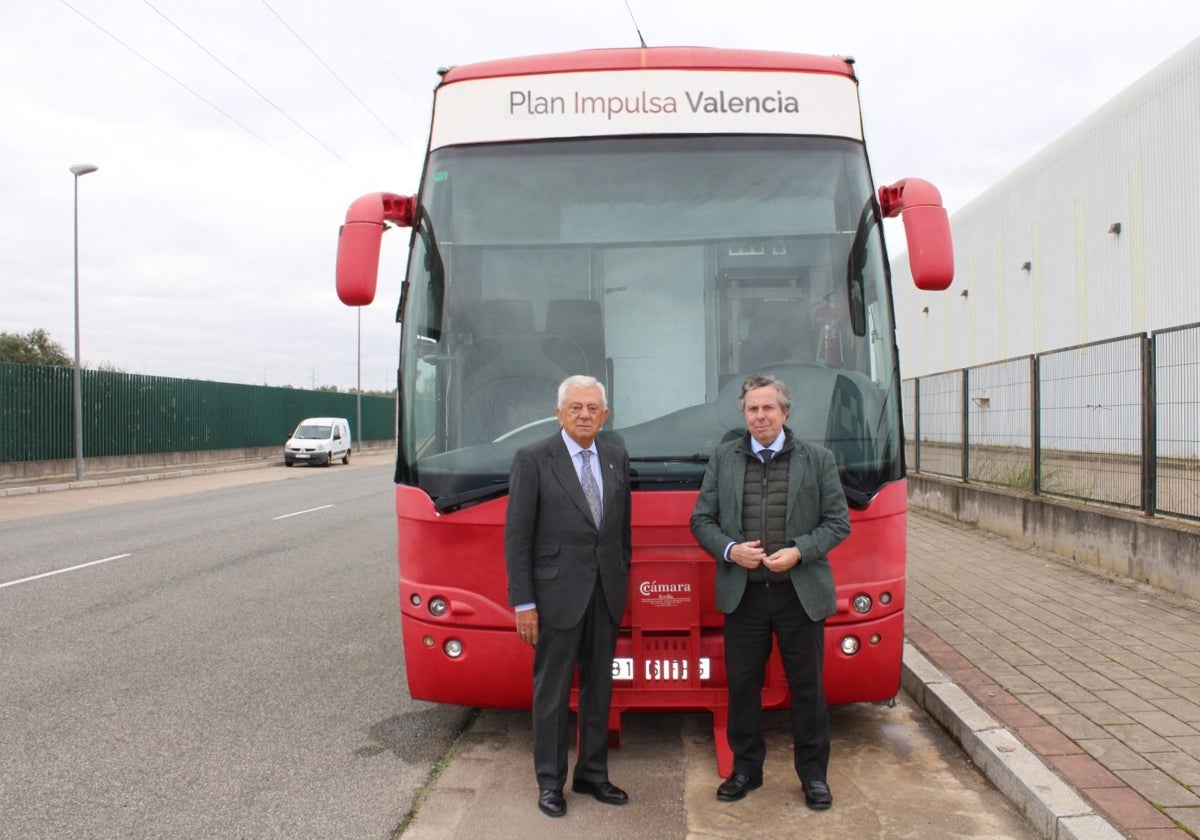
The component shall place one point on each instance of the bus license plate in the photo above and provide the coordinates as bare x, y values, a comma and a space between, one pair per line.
658, 669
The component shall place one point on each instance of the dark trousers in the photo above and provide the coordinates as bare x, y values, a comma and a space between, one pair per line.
768, 610
590, 645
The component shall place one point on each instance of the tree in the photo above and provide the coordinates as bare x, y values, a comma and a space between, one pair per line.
33, 348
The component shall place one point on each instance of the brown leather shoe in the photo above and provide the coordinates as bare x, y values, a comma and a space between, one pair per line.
737, 785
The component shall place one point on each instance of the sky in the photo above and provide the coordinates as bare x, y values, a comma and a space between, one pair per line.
230, 136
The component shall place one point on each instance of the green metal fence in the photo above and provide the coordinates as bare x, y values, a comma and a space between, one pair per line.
129, 414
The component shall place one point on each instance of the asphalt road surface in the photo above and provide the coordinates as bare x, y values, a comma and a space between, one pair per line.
183, 658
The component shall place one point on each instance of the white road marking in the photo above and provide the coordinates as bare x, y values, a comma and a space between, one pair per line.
299, 512
64, 571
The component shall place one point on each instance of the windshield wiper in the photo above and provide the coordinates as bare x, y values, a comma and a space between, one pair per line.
857, 499
446, 504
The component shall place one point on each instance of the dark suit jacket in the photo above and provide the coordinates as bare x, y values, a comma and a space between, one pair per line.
552, 548
817, 520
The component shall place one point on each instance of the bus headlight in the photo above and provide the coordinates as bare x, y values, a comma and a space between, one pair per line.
437, 607
453, 648
849, 645
862, 603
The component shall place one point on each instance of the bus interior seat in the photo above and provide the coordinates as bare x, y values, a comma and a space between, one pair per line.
489, 325
575, 335
509, 390
565, 353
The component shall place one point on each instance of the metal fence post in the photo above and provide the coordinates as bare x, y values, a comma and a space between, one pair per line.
917, 423
1149, 428
1035, 426
966, 425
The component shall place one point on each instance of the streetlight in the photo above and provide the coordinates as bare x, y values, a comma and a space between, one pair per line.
77, 170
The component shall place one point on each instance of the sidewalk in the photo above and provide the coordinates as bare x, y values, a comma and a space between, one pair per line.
1098, 676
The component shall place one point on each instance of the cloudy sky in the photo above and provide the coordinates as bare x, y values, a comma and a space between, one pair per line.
231, 135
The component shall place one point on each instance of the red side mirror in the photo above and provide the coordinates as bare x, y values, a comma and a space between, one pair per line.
358, 243
926, 230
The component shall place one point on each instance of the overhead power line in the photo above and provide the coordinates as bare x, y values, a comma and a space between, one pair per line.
382, 60
195, 93
339, 79
235, 74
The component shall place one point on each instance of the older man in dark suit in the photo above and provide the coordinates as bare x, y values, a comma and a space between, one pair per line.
567, 544
771, 507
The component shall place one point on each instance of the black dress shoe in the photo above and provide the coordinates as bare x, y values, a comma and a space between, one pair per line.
736, 786
552, 804
817, 796
605, 792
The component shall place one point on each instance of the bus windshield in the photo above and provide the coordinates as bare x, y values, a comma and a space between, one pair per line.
669, 268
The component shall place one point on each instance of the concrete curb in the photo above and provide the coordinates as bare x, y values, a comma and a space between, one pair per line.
1052, 806
57, 484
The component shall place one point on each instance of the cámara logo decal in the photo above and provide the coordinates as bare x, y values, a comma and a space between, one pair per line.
653, 587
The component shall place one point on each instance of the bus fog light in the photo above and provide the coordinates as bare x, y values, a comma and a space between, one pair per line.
437, 607
862, 603
453, 648
850, 645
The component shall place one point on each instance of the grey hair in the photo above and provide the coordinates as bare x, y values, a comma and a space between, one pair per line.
580, 381
765, 380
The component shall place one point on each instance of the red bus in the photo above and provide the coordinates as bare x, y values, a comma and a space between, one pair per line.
667, 220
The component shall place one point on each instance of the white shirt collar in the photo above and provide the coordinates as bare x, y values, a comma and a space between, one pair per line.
574, 448
776, 445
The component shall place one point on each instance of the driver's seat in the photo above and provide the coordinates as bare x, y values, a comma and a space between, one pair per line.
516, 387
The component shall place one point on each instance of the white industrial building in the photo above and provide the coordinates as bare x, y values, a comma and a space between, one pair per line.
1095, 237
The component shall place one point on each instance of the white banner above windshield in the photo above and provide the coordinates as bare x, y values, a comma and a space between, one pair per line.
593, 104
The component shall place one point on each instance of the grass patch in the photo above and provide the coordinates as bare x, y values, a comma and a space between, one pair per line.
438, 769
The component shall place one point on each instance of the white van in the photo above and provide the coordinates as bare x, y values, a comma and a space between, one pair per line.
318, 440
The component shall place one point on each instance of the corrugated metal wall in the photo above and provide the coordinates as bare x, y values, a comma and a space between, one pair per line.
1040, 255
129, 414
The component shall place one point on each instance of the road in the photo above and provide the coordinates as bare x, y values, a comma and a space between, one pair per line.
219, 656
229, 665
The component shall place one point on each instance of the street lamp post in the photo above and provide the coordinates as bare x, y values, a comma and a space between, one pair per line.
77, 170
